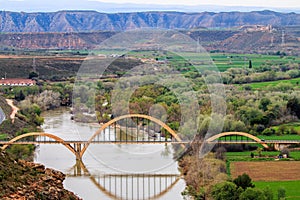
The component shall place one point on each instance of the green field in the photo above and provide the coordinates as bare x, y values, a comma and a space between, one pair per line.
225, 61
222, 60
291, 187
245, 156
260, 85
280, 137
271, 137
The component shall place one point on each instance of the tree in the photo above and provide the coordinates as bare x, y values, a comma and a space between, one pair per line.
20, 96
225, 191
293, 105
32, 75
250, 64
243, 181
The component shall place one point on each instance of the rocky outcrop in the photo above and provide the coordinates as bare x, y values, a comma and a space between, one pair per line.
25, 180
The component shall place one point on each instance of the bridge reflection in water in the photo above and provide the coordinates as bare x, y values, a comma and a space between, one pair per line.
128, 186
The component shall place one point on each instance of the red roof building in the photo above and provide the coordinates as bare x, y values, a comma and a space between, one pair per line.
16, 82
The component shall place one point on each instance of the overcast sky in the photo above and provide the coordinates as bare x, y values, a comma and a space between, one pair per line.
144, 5
256, 3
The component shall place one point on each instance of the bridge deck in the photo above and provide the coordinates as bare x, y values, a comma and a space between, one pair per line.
152, 142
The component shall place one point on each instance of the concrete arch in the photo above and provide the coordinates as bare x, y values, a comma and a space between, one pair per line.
153, 119
258, 140
58, 139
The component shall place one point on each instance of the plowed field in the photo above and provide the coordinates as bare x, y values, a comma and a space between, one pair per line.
267, 170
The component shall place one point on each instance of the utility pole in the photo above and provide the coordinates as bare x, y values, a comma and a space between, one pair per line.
33, 65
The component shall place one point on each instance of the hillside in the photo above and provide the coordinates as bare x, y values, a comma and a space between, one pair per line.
244, 39
25, 180
81, 21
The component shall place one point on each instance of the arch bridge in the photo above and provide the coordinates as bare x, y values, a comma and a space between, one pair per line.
134, 129
126, 129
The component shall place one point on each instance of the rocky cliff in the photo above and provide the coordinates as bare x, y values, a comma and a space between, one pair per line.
80, 21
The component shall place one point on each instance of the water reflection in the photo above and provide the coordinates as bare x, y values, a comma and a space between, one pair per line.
96, 177
128, 186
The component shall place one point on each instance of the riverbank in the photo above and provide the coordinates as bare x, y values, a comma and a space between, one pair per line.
26, 180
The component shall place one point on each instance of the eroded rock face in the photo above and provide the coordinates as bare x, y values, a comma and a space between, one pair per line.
86, 21
25, 180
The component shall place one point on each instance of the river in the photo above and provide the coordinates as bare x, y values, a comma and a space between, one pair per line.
140, 171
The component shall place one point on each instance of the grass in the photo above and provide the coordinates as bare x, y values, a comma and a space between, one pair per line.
222, 60
225, 61
247, 154
280, 137
243, 156
291, 187
261, 85
295, 155
271, 137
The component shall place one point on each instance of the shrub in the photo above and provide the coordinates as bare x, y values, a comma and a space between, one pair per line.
252, 194
281, 193
268, 193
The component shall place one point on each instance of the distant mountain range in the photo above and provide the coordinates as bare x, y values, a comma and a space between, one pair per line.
86, 21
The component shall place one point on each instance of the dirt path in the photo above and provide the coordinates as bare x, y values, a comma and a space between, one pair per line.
14, 109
